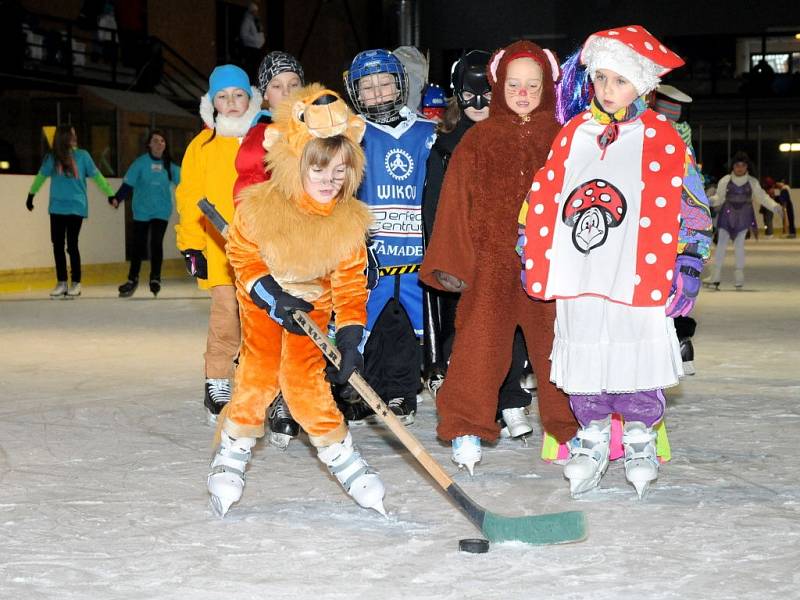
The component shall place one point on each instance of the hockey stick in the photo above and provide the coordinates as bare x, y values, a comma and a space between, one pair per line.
554, 528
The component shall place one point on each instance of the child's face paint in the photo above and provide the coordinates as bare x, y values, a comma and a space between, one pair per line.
323, 184
613, 91
523, 87
231, 102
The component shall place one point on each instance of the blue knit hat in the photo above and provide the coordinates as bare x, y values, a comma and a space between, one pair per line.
227, 76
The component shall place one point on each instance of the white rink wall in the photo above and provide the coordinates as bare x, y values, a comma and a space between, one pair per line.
25, 243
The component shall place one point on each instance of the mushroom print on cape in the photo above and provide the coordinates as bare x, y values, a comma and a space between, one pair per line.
591, 210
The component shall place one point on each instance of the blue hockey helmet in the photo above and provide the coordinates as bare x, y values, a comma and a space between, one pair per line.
375, 62
434, 102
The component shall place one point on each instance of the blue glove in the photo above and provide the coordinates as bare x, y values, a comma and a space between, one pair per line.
196, 263
348, 342
685, 285
267, 293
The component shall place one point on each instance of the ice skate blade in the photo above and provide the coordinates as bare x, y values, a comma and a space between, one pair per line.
279, 440
578, 487
378, 506
581, 485
641, 486
219, 506
469, 466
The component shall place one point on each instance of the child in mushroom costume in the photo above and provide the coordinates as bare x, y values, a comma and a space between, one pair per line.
472, 251
298, 242
616, 228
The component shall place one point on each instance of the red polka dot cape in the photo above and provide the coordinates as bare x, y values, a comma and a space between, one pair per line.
614, 233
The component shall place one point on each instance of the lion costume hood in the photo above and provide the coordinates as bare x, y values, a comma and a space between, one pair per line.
300, 239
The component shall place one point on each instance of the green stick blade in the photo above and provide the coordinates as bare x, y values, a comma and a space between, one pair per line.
540, 530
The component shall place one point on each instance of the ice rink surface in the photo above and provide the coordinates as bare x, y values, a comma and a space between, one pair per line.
104, 448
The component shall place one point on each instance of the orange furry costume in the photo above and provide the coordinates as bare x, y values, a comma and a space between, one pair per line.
316, 252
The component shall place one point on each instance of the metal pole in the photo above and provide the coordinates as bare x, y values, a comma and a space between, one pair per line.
791, 154
758, 152
405, 22
730, 128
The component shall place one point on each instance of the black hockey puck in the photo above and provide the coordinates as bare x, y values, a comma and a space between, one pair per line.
473, 545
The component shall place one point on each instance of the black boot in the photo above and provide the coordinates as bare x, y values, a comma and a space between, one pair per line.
218, 394
281, 424
155, 286
126, 289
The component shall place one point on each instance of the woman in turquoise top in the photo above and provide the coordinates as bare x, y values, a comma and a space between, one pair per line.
68, 167
152, 176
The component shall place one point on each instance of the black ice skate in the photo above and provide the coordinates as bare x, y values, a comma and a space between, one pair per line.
687, 355
127, 289
218, 393
404, 409
155, 287
282, 427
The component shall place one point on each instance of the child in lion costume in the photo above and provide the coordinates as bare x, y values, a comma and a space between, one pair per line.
297, 242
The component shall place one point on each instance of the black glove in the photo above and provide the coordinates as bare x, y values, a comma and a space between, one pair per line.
348, 341
196, 263
29, 202
373, 266
279, 304
111, 200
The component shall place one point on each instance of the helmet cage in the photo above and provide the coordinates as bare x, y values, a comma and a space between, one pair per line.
374, 62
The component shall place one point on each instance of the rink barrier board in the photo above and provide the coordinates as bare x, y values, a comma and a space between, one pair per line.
41, 278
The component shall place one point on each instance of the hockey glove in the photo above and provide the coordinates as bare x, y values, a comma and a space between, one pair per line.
373, 267
348, 341
266, 293
685, 285
29, 202
196, 263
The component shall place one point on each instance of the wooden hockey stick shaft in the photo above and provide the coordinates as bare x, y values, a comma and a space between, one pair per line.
555, 528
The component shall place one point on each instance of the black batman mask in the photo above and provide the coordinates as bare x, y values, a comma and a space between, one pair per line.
469, 75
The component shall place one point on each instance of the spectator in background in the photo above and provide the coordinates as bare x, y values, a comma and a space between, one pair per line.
68, 167
252, 38
149, 180
779, 191
107, 32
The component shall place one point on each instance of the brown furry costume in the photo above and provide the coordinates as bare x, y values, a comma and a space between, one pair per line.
315, 252
474, 238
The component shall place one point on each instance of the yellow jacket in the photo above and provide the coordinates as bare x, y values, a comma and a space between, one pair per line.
207, 171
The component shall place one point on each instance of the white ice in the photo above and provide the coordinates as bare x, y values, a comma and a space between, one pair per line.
104, 449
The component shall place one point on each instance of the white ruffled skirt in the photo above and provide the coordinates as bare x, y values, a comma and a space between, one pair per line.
603, 346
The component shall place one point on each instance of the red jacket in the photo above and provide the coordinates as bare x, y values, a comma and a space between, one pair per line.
250, 168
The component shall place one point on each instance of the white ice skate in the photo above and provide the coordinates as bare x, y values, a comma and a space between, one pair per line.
59, 290
641, 462
358, 479
517, 423
738, 279
588, 459
226, 479
467, 452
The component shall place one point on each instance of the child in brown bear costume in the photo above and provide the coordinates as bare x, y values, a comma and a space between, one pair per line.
472, 251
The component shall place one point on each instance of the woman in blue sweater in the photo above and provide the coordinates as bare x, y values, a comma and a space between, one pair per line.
68, 167
152, 176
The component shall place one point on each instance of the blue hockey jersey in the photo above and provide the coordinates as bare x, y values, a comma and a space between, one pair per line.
393, 185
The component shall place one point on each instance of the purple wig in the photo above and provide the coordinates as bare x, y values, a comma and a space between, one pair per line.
574, 92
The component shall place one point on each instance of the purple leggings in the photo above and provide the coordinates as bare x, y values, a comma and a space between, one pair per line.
647, 406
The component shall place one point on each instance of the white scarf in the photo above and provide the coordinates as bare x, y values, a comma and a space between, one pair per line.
231, 126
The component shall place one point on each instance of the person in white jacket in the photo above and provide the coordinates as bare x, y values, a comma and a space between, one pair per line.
734, 201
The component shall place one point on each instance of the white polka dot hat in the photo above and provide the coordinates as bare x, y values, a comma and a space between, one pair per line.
631, 51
